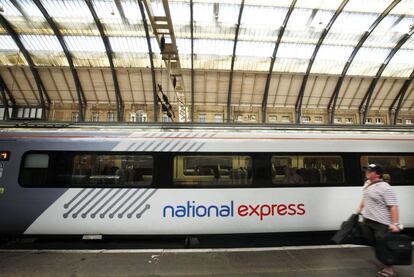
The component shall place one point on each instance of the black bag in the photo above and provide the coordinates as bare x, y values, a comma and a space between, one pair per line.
394, 249
351, 232
360, 235
345, 229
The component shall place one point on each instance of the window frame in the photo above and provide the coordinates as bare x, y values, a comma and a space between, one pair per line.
162, 178
152, 184
346, 180
172, 184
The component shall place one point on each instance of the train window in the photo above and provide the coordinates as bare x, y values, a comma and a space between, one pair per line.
398, 170
35, 160
212, 170
307, 170
74, 169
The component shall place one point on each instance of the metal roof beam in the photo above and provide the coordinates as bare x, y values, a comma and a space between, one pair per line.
4, 99
79, 91
394, 111
233, 57
109, 53
272, 61
334, 96
40, 87
20, 9
154, 82
8, 92
192, 59
299, 100
121, 12
364, 109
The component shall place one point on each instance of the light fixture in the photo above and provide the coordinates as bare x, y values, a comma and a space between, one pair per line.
1, 9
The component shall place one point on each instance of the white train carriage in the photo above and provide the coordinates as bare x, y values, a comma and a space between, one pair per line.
186, 181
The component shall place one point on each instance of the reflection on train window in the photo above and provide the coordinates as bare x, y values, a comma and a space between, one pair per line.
212, 170
36, 160
303, 170
66, 169
397, 169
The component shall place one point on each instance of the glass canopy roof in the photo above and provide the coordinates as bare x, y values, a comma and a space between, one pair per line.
214, 35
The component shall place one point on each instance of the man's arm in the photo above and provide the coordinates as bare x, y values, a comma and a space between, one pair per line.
395, 218
361, 206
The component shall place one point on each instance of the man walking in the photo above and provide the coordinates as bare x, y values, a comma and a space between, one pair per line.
379, 207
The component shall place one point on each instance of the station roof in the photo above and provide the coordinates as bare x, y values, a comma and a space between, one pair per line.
289, 39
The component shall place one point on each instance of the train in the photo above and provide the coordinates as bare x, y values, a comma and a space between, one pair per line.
172, 179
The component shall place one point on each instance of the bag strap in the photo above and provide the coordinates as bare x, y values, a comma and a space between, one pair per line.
373, 183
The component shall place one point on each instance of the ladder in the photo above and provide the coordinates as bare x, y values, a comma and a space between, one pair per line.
162, 26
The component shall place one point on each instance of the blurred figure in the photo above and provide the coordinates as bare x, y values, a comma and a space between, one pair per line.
110, 168
217, 175
291, 177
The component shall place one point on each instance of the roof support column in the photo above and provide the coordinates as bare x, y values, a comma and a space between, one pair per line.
58, 34
394, 111
364, 109
299, 100
192, 59
154, 82
272, 61
334, 96
8, 96
4, 100
109, 53
236, 38
40, 87
20, 9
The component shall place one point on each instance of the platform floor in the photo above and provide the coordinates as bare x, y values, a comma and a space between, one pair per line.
283, 261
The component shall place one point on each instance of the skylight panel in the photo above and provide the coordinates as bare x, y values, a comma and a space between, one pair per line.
48, 43
84, 43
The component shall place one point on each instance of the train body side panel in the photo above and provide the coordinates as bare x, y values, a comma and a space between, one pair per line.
185, 211
204, 211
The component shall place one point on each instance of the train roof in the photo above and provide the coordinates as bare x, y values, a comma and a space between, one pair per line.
182, 137
129, 127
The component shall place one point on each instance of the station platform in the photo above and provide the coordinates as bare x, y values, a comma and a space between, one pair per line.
271, 261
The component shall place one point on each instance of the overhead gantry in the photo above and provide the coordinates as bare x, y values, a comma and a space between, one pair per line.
163, 29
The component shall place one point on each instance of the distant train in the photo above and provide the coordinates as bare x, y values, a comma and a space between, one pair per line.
187, 181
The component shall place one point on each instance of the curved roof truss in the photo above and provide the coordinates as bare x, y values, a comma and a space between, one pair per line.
365, 104
299, 100
109, 53
233, 57
273, 58
394, 111
40, 87
56, 31
334, 96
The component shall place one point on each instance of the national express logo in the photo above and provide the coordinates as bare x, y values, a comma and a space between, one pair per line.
261, 211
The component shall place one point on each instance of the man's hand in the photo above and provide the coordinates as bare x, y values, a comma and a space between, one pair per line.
394, 229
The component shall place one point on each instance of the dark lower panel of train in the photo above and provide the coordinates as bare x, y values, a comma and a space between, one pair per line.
173, 242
